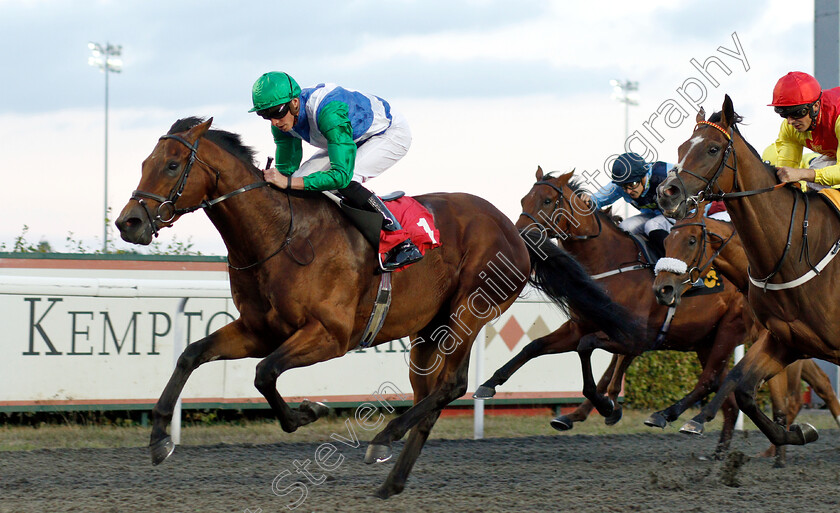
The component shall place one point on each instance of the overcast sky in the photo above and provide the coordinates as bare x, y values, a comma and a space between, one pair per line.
491, 89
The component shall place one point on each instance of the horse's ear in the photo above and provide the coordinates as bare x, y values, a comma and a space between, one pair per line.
701, 115
196, 132
539, 173
727, 113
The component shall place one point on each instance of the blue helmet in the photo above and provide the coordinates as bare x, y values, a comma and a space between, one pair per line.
628, 168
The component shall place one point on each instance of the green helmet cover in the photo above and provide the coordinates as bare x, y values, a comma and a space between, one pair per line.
272, 89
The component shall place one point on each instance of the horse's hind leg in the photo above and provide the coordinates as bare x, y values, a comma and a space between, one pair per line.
566, 422
562, 340
821, 385
227, 343
438, 376
308, 345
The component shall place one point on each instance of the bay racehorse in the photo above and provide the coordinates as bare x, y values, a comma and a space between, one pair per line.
304, 281
710, 325
695, 244
790, 239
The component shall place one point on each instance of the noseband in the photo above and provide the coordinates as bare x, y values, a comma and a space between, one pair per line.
557, 203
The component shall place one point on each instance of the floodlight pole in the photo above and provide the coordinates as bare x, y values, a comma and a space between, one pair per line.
106, 58
622, 90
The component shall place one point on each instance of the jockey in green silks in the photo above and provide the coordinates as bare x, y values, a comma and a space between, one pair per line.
358, 136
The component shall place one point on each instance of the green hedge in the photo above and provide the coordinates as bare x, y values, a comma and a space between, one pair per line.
657, 379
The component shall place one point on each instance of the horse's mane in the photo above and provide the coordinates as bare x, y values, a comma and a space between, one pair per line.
576, 185
230, 142
716, 117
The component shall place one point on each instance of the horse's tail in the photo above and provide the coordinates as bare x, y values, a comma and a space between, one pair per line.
564, 280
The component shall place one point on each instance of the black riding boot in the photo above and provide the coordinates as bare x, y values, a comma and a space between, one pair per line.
404, 253
657, 242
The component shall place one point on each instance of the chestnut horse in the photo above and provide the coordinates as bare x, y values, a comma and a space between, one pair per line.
710, 325
698, 244
304, 281
784, 232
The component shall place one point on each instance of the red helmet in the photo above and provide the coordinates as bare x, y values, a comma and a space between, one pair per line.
795, 88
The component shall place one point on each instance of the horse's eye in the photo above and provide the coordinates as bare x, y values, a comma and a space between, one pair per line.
692, 240
547, 201
713, 150
173, 166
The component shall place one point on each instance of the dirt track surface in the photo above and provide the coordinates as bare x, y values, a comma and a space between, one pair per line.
651, 472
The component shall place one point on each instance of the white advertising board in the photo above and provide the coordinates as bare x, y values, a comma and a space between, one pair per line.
62, 351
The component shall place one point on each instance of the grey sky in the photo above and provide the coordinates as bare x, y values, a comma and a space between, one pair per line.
490, 88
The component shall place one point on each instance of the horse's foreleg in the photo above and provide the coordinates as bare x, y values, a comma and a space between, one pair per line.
227, 343
714, 357
309, 345
821, 385
772, 358
562, 340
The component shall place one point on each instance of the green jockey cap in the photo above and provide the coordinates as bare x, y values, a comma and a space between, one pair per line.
272, 89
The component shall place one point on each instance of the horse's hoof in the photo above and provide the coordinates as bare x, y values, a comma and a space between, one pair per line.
656, 419
378, 453
562, 423
161, 450
614, 417
692, 427
608, 410
314, 408
806, 433
484, 392
385, 491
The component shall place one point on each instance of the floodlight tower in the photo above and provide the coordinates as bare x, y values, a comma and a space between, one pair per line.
107, 59
626, 92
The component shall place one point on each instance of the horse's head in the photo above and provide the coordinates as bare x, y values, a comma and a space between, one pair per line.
686, 251
171, 185
554, 206
704, 160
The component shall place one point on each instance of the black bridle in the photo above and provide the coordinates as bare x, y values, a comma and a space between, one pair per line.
557, 205
166, 205
706, 194
696, 268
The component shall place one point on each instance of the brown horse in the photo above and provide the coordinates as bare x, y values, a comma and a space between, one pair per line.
710, 325
697, 244
783, 231
304, 281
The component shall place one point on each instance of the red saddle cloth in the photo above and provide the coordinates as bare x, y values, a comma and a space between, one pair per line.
418, 225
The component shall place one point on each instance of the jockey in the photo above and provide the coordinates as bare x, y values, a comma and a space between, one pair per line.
636, 181
811, 120
359, 137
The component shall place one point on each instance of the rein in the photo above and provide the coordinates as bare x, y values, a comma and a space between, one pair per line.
707, 194
177, 190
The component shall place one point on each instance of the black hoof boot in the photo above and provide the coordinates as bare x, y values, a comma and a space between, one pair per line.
401, 255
